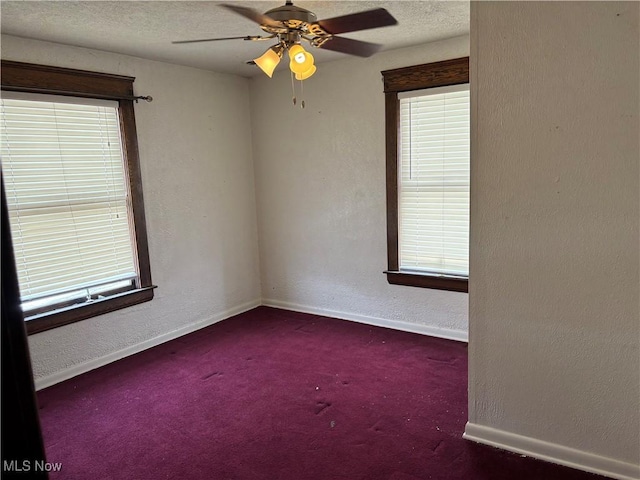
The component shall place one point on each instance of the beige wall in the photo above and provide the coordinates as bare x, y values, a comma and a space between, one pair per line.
554, 321
320, 186
197, 172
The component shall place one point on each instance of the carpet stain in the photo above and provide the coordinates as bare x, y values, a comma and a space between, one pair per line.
321, 407
441, 360
438, 445
303, 328
376, 427
217, 374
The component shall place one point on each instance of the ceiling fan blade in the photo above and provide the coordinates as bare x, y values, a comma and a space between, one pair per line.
350, 46
378, 17
247, 37
252, 14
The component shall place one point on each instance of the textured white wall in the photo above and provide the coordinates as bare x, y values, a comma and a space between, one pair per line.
197, 172
554, 320
320, 186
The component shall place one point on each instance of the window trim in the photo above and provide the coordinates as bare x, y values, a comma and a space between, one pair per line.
416, 77
32, 78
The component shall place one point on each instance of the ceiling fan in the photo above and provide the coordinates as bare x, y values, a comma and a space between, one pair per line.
289, 25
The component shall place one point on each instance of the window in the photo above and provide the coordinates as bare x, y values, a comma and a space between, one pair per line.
72, 181
427, 151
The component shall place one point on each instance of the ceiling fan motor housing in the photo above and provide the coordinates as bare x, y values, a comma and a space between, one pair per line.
292, 16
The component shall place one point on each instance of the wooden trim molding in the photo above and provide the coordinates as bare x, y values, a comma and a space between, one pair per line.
428, 75
75, 313
31, 78
417, 77
454, 284
392, 125
134, 177
28, 77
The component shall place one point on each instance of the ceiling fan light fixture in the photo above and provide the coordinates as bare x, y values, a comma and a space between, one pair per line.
301, 60
296, 49
270, 59
307, 74
291, 24
300, 68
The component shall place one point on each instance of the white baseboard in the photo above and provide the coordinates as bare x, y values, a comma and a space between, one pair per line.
75, 370
552, 452
458, 335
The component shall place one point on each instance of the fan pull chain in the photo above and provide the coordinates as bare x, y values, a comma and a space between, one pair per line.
293, 92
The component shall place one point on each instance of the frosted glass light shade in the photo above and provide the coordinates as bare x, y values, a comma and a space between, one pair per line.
269, 61
295, 50
301, 60
307, 74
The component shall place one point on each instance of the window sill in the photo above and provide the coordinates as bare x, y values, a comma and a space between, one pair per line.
437, 282
64, 316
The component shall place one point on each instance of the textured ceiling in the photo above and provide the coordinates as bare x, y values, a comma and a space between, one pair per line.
146, 29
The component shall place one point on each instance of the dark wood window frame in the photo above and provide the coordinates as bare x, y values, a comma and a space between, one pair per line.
417, 77
30, 78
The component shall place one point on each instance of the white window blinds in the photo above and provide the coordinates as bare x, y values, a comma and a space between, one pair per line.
433, 186
63, 170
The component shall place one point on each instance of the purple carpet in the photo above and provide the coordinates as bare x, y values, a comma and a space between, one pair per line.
277, 395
